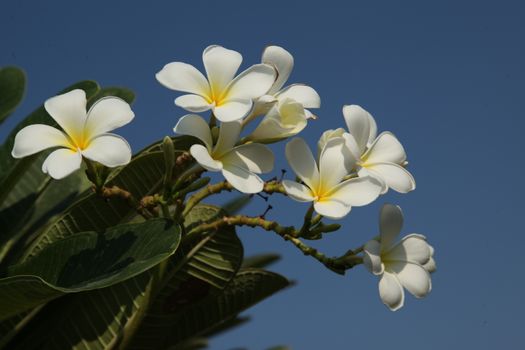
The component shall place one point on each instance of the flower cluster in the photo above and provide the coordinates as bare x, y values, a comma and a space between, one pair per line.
352, 167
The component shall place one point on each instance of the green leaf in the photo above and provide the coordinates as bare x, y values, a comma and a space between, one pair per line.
195, 318
12, 87
260, 261
86, 261
235, 205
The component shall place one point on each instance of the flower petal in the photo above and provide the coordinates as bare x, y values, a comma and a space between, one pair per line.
301, 93
430, 266
394, 176
242, 179
391, 291
333, 209
221, 65
390, 224
184, 77
412, 248
372, 257
233, 110
194, 125
298, 191
61, 163
282, 60
327, 135
412, 276
193, 103
202, 156
336, 161
302, 162
255, 157
254, 82
360, 124
69, 111
228, 137
37, 137
385, 149
356, 192
108, 149
108, 113
283, 120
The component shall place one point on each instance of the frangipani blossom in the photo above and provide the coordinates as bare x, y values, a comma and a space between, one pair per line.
400, 264
383, 157
285, 119
82, 135
229, 97
322, 184
238, 164
283, 61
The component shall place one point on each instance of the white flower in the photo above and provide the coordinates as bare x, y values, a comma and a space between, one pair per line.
283, 61
404, 264
382, 157
322, 184
84, 134
238, 164
229, 98
285, 119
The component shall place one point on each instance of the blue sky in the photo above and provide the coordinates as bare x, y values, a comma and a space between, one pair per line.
446, 77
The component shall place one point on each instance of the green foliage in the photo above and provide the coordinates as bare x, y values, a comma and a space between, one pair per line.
12, 87
83, 271
86, 261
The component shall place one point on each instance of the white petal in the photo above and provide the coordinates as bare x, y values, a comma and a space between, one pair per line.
108, 113
391, 291
327, 135
69, 111
412, 248
254, 82
184, 77
298, 191
202, 156
108, 149
362, 172
194, 125
233, 110
283, 120
386, 148
390, 224
61, 163
282, 60
395, 176
335, 162
333, 209
255, 157
302, 162
356, 192
301, 93
412, 276
242, 179
360, 124
372, 257
228, 137
430, 266
352, 145
221, 65
193, 103
37, 137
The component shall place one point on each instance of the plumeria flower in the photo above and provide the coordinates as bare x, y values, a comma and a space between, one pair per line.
284, 120
229, 97
400, 264
238, 164
82, 135
322, 184
283, 61
383, 157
